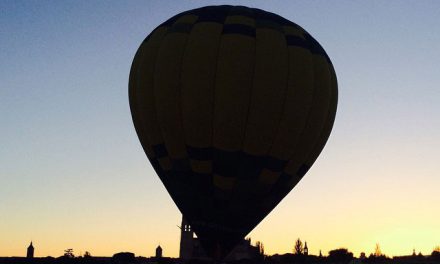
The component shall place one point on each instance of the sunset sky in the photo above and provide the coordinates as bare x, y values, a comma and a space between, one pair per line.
73, 173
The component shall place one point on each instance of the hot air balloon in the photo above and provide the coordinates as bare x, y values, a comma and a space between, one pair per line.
232, 105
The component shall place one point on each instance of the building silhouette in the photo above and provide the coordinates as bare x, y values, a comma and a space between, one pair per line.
30, 251
190, 247
186, 240
306, 249
158, 252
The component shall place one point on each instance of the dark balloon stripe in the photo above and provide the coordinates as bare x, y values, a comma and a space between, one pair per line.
275, 164
180, 165
225, 163
199, 153
263, 15
160, 151
282, 181
220, 157
250, 166
216, 15
203, 184
297, 42
316, 48
239, 29
241, 11
268, 24
303, 170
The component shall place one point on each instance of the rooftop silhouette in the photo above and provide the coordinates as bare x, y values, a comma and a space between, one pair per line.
192, 253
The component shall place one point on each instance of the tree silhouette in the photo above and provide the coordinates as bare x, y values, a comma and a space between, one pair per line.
298, 249
377, 256
341, 255
436, 253
68, 253
122, 257
260, 247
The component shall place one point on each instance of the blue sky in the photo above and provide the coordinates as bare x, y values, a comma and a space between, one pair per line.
73, 174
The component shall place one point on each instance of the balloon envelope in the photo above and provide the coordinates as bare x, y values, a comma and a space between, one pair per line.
232, 106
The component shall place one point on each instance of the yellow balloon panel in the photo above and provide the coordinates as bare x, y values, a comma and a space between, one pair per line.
233, 86
298, 101
198, 73
268, 92
328, 123
167, 87
315, 118
141, 91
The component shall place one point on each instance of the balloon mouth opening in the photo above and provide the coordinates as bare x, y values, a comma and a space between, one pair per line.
217, 241
217, 251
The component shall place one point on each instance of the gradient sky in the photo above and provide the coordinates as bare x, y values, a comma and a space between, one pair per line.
73, 173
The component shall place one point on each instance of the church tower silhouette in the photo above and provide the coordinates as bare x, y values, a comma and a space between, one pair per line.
159, 252
306, 249
30, 251
186, 240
